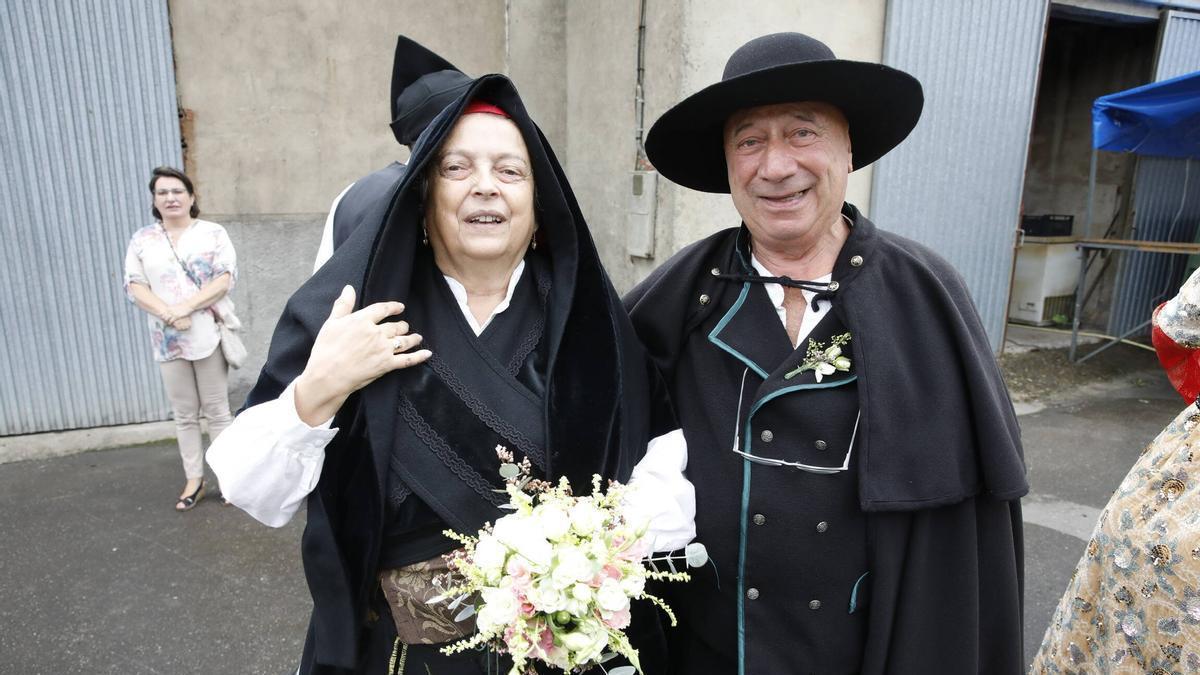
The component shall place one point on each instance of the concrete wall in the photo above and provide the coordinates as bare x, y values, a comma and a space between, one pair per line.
277, 127
288, 103
536, 60
290, 100
687, 44
601, 79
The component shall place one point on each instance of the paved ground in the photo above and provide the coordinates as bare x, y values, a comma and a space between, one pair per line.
99, 575
1077, 453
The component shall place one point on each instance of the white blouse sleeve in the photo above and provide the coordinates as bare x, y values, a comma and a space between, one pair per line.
268, 460
659, 492
135, 272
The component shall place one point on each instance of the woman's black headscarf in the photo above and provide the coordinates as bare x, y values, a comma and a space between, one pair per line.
596, 402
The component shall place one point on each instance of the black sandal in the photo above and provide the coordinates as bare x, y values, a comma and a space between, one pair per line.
189, 502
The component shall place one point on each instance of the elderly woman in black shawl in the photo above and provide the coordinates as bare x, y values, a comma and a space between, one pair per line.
512, 335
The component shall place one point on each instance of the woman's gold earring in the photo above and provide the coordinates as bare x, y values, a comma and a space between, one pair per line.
533, 242
424, 235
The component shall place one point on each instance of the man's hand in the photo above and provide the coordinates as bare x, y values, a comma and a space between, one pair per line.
352, 350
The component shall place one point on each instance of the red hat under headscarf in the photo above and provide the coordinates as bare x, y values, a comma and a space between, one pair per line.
478, 106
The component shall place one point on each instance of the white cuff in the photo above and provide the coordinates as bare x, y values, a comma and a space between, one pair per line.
662, 495
295, 433
269, 460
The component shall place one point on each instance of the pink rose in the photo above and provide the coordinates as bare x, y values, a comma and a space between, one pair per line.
518, 569
618, 620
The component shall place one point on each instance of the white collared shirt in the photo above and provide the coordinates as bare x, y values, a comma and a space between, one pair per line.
813, 312
460, 295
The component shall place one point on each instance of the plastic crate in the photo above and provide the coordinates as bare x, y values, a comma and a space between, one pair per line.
1050, 225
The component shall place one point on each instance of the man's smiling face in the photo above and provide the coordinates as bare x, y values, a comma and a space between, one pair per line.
788, 164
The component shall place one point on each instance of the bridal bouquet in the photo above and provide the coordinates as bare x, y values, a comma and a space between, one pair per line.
552, 582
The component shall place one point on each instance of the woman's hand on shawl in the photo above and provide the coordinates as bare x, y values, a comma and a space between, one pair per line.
352, 350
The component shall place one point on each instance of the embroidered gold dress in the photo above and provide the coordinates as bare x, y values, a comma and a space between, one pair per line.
1133, 603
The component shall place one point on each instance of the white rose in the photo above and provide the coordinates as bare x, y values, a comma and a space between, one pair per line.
523, 537
554, 522
611, 597
490, 556
499, 609
598, 549
586, 519
586, 642
547, 599
571, 565
582, 592
576, 607
633, 585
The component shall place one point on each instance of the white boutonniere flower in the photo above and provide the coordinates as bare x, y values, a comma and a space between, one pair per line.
824, 360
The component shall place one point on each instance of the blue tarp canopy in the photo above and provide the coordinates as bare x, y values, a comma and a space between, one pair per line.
1160, 119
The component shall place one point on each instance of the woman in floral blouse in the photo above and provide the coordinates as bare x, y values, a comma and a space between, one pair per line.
179, 271
1133, 603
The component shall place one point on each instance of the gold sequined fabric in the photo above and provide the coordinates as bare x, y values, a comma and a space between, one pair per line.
408, 591
1133, 604
1179, 317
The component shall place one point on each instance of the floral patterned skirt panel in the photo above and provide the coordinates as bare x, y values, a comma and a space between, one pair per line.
408, 591
1133, 603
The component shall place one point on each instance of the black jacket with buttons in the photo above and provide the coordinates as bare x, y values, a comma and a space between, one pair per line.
897, 549
361, 199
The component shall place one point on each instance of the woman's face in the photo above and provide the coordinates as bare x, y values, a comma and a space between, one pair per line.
481, 194
171, 198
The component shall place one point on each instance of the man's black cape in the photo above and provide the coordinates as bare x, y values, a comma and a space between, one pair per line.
940, 460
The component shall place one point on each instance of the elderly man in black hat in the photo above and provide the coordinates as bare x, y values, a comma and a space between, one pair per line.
856, 458
423, 84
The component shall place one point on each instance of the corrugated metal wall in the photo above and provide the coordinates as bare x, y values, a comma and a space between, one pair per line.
955, 184
88, 109
1166, 198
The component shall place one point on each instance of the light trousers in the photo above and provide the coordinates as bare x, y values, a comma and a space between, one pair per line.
195, 388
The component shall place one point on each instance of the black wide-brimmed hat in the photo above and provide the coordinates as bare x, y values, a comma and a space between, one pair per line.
423, 84
881, 104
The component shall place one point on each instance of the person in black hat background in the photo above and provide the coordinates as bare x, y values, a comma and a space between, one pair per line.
423, 84
856, 458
